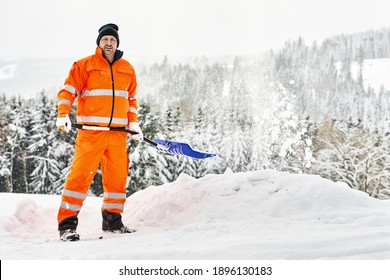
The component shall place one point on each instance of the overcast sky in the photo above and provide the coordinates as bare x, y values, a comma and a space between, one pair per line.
51, 28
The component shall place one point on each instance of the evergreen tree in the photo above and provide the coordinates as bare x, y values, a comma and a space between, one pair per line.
146, 163
42, 150
18, 141
171, 129
5, 161
64, 148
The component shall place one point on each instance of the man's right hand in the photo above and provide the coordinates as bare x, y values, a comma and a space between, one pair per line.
63, 123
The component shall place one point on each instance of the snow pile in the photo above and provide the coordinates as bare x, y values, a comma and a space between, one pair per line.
254, 215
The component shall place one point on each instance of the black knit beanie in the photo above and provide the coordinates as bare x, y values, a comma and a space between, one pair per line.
108, 29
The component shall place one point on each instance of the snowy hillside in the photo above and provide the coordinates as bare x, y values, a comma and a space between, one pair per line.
27, 77
375, 73
255, 215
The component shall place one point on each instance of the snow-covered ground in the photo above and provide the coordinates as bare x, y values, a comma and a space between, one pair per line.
263, 218
265, 215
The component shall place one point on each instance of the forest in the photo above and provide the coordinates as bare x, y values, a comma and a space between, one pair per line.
300, 109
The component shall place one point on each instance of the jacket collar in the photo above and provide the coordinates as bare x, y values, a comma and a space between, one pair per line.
118, 54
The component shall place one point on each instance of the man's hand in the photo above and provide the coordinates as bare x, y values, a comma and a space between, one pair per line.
133, 126
63, 123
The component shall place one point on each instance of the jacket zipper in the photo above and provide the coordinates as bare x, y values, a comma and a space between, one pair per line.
113, 95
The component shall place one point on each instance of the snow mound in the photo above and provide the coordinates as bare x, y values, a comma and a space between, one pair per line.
246, 198
30, 218
253, 215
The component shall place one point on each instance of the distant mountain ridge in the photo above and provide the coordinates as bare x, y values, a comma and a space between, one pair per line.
27, 77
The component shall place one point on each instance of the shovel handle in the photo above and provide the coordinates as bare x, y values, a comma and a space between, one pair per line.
104, 128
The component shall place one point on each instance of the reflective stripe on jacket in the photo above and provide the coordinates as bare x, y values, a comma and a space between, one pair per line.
105, 93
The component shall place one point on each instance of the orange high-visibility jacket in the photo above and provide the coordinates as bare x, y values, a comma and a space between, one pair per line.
105, 93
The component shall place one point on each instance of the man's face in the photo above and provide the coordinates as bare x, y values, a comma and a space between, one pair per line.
109, 45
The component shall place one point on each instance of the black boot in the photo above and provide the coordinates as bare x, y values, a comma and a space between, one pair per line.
67, 229
69, 235
112, 222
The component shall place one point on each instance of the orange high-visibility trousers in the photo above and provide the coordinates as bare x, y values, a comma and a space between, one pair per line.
108, 148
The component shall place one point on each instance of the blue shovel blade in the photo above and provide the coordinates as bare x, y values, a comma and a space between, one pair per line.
178, 148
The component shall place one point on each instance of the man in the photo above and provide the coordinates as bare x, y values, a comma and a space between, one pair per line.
105, 87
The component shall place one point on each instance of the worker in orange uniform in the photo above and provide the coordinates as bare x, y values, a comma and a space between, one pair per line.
105, 86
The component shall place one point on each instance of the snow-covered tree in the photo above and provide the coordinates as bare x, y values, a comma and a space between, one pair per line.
18, 141
5, 159
146, 165
42, 149
353, 155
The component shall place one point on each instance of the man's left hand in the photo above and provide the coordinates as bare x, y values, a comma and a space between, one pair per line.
134, 126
